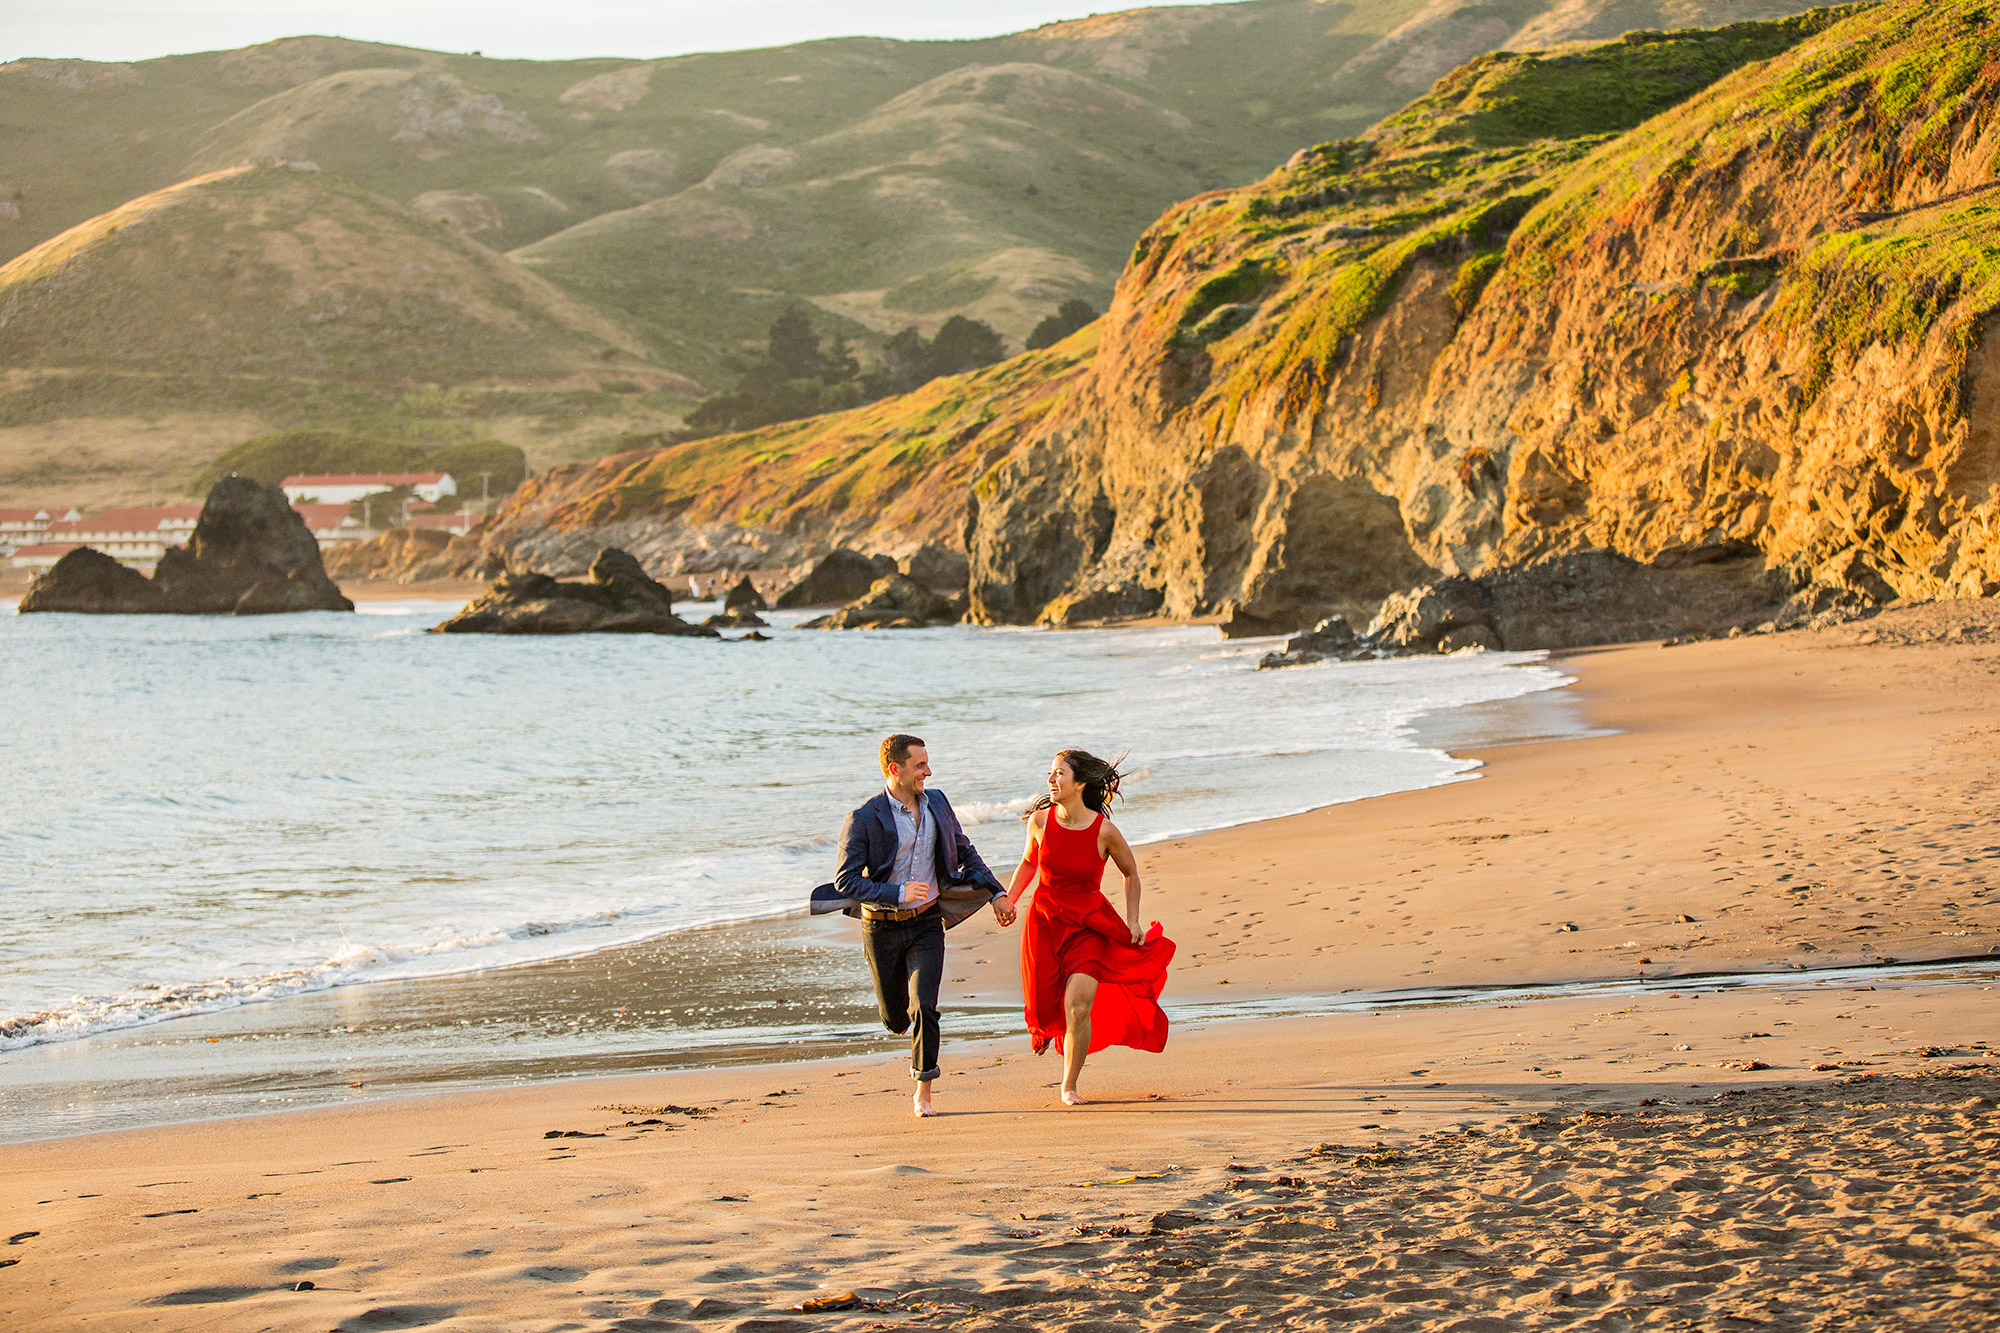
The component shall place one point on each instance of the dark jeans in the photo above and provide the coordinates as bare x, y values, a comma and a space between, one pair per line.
907, 960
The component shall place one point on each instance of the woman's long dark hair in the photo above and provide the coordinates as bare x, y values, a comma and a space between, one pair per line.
1100, 779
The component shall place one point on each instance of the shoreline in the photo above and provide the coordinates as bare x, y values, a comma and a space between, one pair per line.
382, 1023
1816, 799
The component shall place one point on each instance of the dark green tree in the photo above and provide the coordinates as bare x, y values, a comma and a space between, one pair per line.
1070, 316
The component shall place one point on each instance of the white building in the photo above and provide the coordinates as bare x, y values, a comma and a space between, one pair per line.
26, 527
345, 488
332, 524
135, 537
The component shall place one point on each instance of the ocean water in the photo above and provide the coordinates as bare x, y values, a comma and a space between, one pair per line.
200, 814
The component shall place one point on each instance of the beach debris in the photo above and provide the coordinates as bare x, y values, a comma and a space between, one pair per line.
570, 1134
1685, 919
305, 1285
847, 1300
624, 1108
1743, 1066
1824, 1068
8, 1263
731, 1198
1020, 1235
1645, 960
1683, 1046
1095, 1229
1566, 928
171, 1212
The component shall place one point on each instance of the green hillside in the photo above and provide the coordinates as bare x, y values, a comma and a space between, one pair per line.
887, 181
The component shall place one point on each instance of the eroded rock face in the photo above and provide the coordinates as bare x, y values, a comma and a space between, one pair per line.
618, 597
895, 602
250, 554
1762, 322
412, 555
840, 576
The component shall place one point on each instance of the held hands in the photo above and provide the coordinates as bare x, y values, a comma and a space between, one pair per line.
915, 891
1003, 910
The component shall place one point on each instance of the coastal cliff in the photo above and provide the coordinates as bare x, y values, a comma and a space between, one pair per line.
1691, 298
1467, 341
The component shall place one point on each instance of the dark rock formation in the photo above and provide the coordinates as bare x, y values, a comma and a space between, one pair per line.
895, 602
1333, 639
736, 620
1563, 602
89, 580
1117, 601
841, 576
744, 597
250, 554
937, 567
617, 598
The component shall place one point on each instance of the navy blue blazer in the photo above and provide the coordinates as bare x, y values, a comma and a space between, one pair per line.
868, 850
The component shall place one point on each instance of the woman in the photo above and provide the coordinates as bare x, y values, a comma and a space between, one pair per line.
1091, 979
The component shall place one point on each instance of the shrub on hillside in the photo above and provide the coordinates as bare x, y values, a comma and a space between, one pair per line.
796, 377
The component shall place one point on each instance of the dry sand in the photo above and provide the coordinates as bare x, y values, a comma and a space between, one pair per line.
1817, 1153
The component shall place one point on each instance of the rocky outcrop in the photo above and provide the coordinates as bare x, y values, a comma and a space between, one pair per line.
250, 554
1564, 602
839, 576
414, 555
618, 597
895, 602
744, 598
736, 620
1481, 335
1572, 600
88, 580
937, 567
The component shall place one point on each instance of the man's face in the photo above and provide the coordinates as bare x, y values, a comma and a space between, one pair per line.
914, 769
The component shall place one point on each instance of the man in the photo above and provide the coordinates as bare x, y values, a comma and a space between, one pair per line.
909, 872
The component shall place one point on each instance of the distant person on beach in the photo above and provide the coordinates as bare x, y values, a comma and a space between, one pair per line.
1091, 978
909, 872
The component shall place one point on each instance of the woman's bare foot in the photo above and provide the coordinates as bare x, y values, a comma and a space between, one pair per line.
1071, 1097
923, 1104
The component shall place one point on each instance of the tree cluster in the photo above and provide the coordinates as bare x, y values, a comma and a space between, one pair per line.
799, 377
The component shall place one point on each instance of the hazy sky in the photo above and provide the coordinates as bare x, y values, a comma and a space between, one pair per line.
138, 29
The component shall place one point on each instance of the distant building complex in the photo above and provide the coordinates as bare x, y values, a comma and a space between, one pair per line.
346, 488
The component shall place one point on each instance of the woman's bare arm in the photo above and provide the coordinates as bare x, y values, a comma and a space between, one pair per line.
1024, 873
1120, 853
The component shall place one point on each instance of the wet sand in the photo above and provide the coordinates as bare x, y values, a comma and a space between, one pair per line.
1808, 800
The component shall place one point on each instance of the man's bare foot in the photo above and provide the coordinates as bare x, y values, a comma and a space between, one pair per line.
1071, 1097
923, 1104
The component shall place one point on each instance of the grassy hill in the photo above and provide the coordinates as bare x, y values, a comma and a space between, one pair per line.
889, 181
1236, 315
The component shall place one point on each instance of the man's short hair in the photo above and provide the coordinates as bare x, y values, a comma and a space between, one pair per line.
896, 749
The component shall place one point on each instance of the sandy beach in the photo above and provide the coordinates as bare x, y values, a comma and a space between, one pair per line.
1809, 1151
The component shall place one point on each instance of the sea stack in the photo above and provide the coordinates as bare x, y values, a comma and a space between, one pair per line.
250, 554
618, 597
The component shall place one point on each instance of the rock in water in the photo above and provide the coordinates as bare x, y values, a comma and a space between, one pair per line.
89, 580
618, 597
744, 599
841, 577
250, 554
895, 602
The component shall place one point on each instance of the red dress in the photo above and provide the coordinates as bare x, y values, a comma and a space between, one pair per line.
1072, 930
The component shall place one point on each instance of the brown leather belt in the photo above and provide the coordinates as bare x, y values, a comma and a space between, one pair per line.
896, 913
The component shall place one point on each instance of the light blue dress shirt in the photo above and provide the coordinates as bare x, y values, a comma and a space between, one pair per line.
916, 848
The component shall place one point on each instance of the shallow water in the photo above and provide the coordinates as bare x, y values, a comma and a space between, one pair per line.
202, 813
